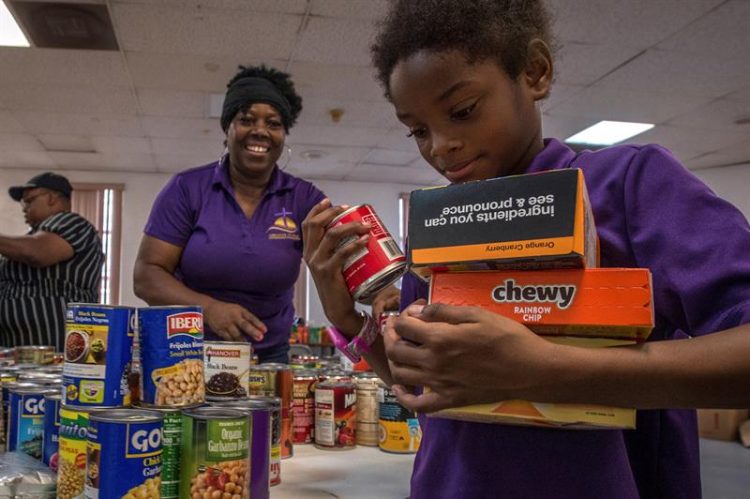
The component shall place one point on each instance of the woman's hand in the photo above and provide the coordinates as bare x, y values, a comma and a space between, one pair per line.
233, 322
466, 355
325, 257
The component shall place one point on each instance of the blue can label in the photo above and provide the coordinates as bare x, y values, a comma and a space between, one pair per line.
171, 345
98, 355
26, 425
123, 460
51, 439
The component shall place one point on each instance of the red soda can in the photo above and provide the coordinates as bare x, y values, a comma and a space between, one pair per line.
377, 265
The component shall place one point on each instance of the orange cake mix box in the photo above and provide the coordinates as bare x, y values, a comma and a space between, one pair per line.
612, 303
531, 221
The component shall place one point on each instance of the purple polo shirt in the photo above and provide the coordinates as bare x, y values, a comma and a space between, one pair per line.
650, 212
253, 262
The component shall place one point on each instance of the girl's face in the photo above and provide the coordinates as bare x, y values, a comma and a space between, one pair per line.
470, 121
255, 139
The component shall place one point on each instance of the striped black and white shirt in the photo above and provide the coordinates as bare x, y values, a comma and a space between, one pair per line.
33, 300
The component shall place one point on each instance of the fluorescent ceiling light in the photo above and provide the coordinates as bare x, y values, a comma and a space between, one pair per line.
606, 133
10, 33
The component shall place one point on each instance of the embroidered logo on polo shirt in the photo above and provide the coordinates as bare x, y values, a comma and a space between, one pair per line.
283, 227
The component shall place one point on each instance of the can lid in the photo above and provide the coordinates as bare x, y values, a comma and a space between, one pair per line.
345, 213
29, 390
305, 373
272, 366
124, 415
83, 408
247, 404
219, 344
187, 308
99, 305
54, 395
169, 410
213, 412
275, 401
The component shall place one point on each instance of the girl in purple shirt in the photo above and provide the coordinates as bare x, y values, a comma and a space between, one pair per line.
466, 79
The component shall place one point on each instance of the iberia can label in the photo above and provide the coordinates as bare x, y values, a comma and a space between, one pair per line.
171, 345
376, 265
98, 354
123, 454
335, 415
215, 453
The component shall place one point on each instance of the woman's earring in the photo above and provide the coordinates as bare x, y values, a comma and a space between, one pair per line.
288, 157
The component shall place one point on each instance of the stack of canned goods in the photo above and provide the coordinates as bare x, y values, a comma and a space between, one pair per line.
276, 380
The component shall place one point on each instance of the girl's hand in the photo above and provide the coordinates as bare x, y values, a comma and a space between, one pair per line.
466, 355
325, 257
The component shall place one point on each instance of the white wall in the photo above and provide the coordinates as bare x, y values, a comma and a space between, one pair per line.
141, 189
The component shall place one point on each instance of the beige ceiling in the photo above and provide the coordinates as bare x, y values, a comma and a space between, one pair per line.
682, 64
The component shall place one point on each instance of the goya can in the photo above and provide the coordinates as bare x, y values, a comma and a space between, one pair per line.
335, 415
7, 384
303, 406
171, 345
50, 442
215, 453
170, 456
367, 408
226, 364
261, 413
276, 380
399, 427
26, 422
35, 354
123, 454
71, 470
98, 354
378, 264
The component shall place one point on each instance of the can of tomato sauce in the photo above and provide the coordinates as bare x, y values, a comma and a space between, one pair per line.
335, 415
376, 265
303, 406
98, 354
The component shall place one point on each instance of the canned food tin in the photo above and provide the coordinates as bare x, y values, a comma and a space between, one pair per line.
26, 422
399, 427
303, 407
170, 456
214, 456
35, 354
227, 364
8, 354
261, 412
98, 353
50, 443
377, 265
276, 380
275, 403
41, 378
123, 454
71, 470
335, 415
367, 408
171, 344
6, 386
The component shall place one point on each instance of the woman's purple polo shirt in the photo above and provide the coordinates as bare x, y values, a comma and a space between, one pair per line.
253, 262
650, 212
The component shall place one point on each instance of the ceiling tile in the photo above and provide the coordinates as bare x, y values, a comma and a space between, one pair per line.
735, 154
68, 99
68, 143
393, 174
177, 161
182, 128
396, 139
336, 41
661, 71
391, 158
720, 114
9, 123
721, 34
580, 63
103, 162
19, 142
687, 142
204, 150
288, 6
336, 135
113, 146
334, 81
636, 23
157, 102
25, 159
79, 124
93, 68
350, 9
605, 102
316, 111
194, 30
560, 93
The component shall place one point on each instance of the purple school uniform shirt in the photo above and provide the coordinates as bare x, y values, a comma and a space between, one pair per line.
650, 212
253, 262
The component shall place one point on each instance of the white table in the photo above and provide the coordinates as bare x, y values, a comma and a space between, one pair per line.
361, 473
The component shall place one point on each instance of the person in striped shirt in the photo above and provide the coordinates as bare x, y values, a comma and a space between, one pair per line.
58, 261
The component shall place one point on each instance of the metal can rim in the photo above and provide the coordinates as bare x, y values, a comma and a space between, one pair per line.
346, 212
126, 415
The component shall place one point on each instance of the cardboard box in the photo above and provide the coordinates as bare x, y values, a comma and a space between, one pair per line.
721, 424
532, 221
521, 412
615, 304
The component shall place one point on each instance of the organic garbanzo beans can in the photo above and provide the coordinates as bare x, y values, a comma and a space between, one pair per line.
215, 453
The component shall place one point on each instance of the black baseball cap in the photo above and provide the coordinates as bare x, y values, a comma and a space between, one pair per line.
47, 180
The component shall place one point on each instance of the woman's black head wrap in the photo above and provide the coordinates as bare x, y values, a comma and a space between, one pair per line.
246, 91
